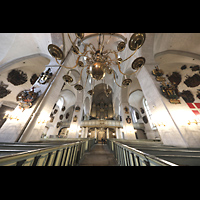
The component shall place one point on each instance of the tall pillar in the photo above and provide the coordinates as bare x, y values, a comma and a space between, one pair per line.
120, 133
86, 132
117, 133
75, 124
28, 128
95, 133
171, 119
127, 127
33, 131
107, 133
83, 132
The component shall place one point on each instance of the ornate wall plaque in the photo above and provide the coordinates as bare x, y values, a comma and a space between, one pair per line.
187, 96
183, 67
67, 116
17, 77
195, 68
58, 124
142, 110
126, 110
192, 81
77, 109
45, 76
157, 71
51, 119
27, 98
175, 78
128, 120
170, 91
63, 108
75, 118
145, 119
3, 91
198, 94
33, 79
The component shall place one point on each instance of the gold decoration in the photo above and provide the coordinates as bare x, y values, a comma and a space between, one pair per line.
55, 52
96, 58
68, 78
138, 63
136, 40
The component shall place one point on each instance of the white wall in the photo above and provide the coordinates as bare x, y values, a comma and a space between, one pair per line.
176, 131
68, 99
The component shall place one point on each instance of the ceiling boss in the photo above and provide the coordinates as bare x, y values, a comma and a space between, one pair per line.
99, 61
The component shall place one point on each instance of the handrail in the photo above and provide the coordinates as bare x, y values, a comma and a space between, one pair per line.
129, 156
59, 155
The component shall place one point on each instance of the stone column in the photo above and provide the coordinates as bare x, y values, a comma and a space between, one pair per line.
75, 125
129, 132
95, 133
86, 132
107, 133
116, 133
27, 128
83, 132
171, 119
120, 133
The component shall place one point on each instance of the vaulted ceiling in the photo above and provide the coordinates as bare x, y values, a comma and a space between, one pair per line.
28, 52
145, 51
167, 49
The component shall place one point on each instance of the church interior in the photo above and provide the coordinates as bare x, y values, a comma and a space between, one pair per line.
134, 95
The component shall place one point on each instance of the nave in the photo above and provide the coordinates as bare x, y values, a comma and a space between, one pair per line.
61, 92
87, 152
99, 155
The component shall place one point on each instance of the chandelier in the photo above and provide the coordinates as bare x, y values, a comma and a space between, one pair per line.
100, 60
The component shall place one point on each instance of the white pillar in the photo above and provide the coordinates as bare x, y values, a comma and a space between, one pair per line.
95, 133
117, 133
120, 133
82, 132
175, 132
27, 127
107, 133
86, 132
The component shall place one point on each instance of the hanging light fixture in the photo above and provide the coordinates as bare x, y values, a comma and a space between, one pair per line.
100, 61
126, 81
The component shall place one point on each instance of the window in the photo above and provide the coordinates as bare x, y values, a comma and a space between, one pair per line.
60, 102
149, 115
133, 114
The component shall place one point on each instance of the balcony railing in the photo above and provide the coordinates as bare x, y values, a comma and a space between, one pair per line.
102, 123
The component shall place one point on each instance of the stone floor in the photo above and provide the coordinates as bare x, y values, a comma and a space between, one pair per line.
99, 155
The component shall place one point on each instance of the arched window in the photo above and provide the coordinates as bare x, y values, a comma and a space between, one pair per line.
60, 102
149, 114
133, 114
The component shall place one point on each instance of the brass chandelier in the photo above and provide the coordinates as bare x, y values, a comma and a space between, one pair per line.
99, 61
